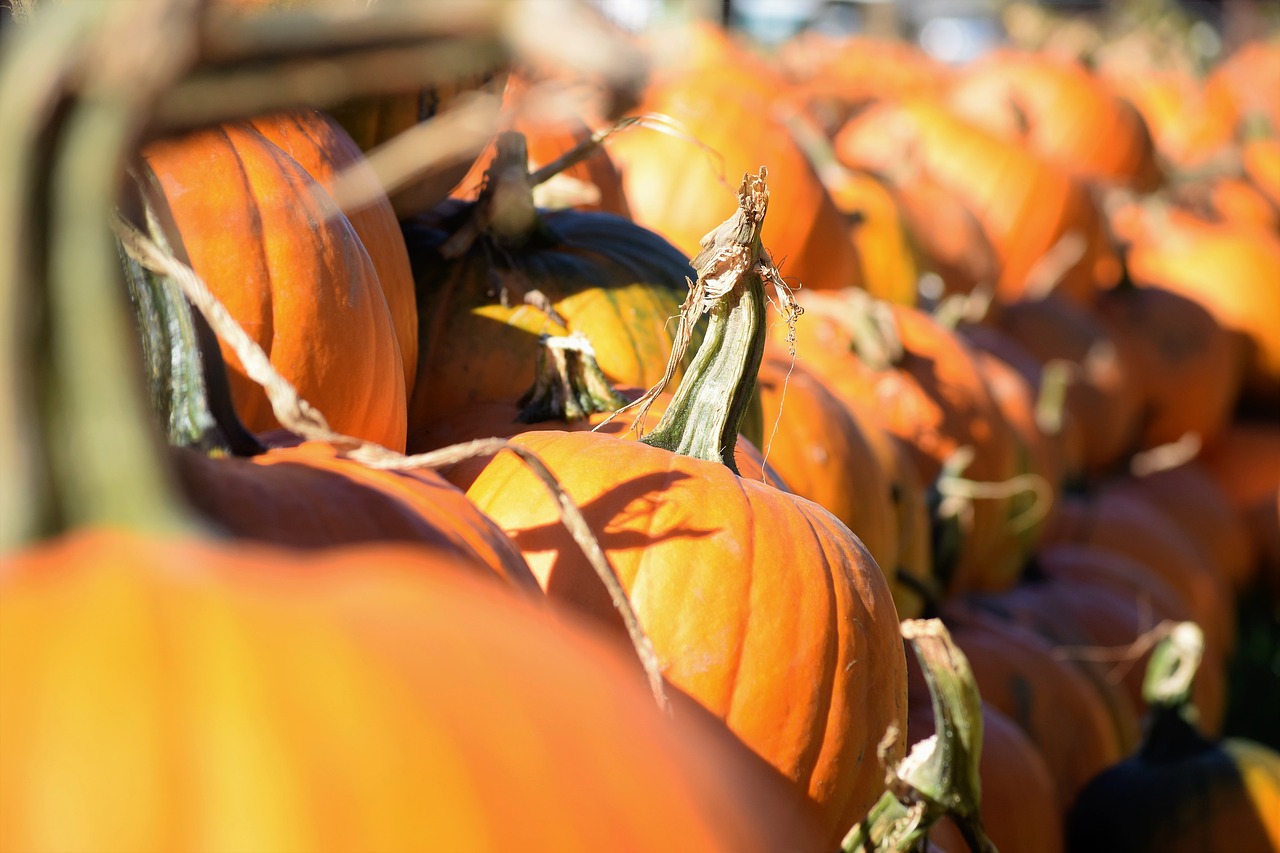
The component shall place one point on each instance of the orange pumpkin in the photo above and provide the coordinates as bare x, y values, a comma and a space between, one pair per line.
819, 448
1187, 368
1055, 705
1025, 205
1191, 124
879, 232
323, 148
676, 184
1245, 463
1060, 110
273, 247
1232, 273
212, 696
761, 605
932, 397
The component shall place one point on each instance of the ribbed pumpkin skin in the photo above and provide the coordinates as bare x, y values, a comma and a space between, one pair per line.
760, 604
1056, 706
614, 281
935, 401
309, 497
324, 149
678, 189
820, 450
1187, 369
174, 695
1231, 272
1062, 112
1025, 205
272, 245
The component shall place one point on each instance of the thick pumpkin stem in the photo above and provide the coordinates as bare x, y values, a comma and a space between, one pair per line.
940, 775
505, 210
708, 408
568, 384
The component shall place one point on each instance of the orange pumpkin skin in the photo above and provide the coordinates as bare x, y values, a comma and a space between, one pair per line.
1251, 77
1025, 205
1232, 273
675, 187
1061, 111
1190, 498
289, 267
323, 148
1191, 124
879, 232
819, 449
1125, 524
1187, 368
307, 496
935, 401
1261, 161
948, 237
1245, 462
760, 604
1055, 705
206, 696
1101, 398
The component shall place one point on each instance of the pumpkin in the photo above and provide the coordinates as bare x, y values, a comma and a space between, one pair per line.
1127, 525
931, 396
1019, 801
821, 451
878, 230
1101, 396
1245, 463
199, 695
1025, 205
1250, 76
760, 604
323, 148
1229, 271
1191, 124
273, 247
676, 186
1261, 161
1181, 791
1196, 504
948, 239
1187, 368
482, 306
1060, 110
1054, 704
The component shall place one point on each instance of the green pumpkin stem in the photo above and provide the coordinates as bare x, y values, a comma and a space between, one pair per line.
568, 384
708, 408
940, 775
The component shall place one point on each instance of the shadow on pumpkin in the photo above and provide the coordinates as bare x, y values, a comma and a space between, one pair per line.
640, 519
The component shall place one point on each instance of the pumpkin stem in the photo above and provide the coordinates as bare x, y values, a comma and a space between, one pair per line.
505, 210
708, 407
939, 777
568, 384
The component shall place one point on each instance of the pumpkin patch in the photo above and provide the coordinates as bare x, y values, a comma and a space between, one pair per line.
565, 427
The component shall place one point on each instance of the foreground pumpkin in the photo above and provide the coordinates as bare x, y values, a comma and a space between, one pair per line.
761, 605
1181, 791
274, 248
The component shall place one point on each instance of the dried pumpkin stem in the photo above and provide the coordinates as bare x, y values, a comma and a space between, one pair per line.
708, 407
568, 384
299, 416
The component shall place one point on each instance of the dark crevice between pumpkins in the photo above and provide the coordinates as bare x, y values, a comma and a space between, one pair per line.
186, 375
709, 406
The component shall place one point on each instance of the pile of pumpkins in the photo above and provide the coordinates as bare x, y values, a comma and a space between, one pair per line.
1021, 372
